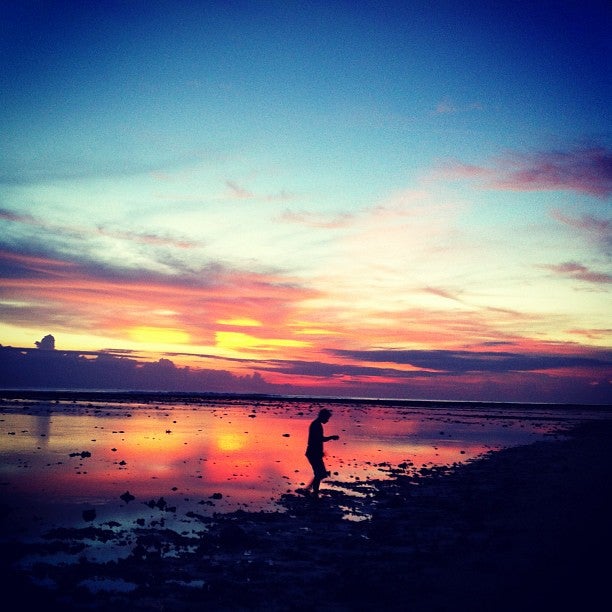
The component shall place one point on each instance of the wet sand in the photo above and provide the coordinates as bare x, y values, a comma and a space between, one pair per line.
526, 528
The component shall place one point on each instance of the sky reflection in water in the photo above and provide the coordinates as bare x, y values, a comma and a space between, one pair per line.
250, 453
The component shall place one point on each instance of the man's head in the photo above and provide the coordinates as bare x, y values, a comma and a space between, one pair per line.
324, 415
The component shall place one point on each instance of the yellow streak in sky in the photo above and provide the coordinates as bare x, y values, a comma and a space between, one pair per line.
237, 341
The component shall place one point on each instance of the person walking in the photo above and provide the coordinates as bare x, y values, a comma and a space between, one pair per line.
314, 450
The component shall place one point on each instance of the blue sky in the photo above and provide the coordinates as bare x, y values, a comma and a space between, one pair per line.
303, 182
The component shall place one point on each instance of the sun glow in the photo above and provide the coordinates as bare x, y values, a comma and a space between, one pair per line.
237, 341
230, 441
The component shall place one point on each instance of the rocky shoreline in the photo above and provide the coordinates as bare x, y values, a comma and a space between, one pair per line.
522, 528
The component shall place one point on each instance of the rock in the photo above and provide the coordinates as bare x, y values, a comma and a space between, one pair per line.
82, 454
127, 497
160, 503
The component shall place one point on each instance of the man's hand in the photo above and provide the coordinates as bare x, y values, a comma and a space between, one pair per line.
334, 437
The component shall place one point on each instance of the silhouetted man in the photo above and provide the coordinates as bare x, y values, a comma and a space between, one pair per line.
314, 450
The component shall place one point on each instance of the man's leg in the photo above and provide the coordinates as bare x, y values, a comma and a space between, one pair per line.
313, 463
318, 468
320, 474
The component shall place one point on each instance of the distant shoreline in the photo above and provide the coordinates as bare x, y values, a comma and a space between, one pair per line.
126, 395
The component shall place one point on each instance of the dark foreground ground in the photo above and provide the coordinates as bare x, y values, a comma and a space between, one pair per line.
527, 528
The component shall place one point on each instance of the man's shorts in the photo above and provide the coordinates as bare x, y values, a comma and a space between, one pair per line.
318, 467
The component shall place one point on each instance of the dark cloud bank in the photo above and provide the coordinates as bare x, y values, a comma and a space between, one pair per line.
450, 375
52, 369
461, 362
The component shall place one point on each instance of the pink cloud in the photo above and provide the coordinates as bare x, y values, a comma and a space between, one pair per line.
592, 334
588, 223
449, 295
595, 228
281, 196
445, 107
443, 293
237, 191
318, 221
455, 169
151, 239
580, 272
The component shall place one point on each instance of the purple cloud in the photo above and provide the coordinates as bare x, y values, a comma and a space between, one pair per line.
83, 231
461, 361
584, 170
580, 272
594, 228
581, 169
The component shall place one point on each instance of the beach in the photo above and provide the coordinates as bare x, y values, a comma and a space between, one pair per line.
519, 528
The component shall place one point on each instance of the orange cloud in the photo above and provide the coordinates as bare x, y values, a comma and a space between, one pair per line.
155, 308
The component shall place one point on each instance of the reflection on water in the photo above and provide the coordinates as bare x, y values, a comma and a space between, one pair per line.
58, 459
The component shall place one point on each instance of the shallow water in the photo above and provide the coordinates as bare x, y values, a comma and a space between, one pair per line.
61, 459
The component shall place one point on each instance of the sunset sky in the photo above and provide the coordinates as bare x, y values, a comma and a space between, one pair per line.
383, 199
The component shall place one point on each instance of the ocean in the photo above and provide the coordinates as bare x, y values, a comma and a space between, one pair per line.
66, 453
